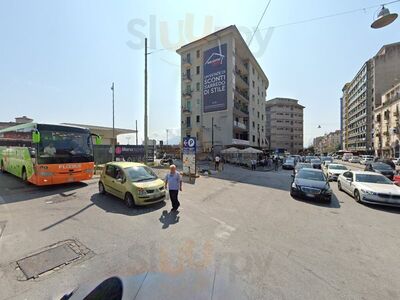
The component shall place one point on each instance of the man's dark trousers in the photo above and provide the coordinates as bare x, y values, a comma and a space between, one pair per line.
173, 195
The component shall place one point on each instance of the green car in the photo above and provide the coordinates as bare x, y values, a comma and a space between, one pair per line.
134, 183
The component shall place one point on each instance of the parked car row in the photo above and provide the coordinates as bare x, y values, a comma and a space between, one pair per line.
364, 186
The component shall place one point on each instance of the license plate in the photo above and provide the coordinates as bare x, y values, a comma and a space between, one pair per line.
310, 195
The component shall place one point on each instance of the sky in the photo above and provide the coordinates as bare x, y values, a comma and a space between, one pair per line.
58, 59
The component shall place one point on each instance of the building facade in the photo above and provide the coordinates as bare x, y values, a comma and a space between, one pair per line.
363, 93
327, 143
284, 124
223, 92
387, 124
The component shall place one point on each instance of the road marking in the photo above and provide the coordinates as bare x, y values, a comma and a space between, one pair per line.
223, 231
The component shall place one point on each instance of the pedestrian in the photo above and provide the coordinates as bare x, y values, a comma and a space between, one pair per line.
222, 163
253, 164
173, 182
217, 160
276, 163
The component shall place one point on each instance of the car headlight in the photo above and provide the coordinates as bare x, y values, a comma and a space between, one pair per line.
294, 185
368, 192
141, 192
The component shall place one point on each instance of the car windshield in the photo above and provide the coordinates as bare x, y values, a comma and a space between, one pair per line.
372, 178
290, 160
311, 175
315, 161
140, 173
303, 165
337, 167
64, 147
382, 166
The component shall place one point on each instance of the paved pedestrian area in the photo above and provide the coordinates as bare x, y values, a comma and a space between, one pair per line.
237, 232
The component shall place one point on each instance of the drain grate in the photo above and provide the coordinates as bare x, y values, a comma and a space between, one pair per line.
54, 257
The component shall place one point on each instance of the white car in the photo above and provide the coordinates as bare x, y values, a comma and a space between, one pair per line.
369, 187
354, 160
333, 171
366, 160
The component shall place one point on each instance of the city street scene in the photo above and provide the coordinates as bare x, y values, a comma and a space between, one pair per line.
168, 151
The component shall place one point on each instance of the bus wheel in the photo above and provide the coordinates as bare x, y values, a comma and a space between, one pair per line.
24, 176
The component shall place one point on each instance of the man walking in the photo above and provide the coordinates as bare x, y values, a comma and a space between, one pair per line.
217, 159
173, 181
276, 163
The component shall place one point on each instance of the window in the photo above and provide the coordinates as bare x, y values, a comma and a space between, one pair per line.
198, 102
197, 70
197, 118
254, 124
198, 86
188, 122
188, 57
254, 84
252, 97
254, 138
258, 114
262, 117
198, 53
258, 101
253, 70
110, 171
188, 87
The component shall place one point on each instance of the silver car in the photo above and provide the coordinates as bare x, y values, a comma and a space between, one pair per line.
369, 187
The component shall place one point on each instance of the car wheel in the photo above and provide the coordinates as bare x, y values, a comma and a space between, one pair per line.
339, 186
102, 190
129, 201
357, 196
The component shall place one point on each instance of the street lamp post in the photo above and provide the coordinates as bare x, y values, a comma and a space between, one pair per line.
113, 125
212, 136
145, 101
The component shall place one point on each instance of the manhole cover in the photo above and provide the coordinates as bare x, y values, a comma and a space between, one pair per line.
42, 262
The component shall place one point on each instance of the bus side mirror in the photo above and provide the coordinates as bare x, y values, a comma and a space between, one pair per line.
99, 140
36, 137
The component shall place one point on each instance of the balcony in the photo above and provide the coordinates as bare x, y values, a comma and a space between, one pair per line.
243, 95
240, 109
186, 62
240, 142
186, 78
242, 66
187, 94
240, 125
186, 110
241, 79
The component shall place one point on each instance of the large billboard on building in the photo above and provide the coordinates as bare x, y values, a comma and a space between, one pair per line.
215, 79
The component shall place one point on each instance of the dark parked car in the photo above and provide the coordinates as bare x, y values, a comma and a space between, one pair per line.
316, 163
311, 183
382, 168
289, 164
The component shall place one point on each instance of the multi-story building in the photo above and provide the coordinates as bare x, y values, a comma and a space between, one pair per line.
223, 92
327, 143
363, 93
284, 124
387, 124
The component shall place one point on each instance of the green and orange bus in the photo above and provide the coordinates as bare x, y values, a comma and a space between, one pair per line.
44, 154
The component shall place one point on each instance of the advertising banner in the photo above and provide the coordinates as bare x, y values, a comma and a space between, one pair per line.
189, 155
134, 153
215, 79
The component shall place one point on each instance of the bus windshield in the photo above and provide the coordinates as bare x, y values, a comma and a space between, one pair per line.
64, 147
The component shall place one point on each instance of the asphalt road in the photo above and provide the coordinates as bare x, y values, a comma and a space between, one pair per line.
238, 235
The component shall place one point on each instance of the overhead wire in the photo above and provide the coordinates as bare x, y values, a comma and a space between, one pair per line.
262, 16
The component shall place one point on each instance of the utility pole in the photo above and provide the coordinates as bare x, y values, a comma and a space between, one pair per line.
113, 125
136, 134
167, 136
212, 136
145, 101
